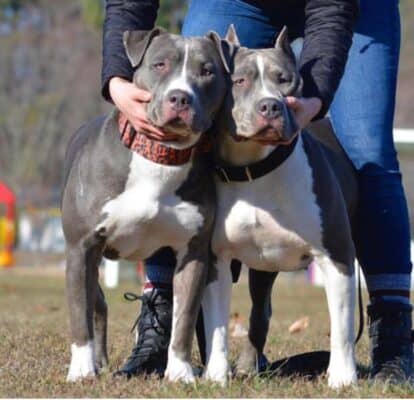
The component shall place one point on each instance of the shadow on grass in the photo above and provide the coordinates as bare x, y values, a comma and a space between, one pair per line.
306, 365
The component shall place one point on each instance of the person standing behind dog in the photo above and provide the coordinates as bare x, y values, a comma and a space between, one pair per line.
362, 114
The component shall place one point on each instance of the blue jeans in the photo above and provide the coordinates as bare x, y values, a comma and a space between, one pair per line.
367, 93
362, 115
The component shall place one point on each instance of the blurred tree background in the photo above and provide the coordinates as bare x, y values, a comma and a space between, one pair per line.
50, 84
50, 62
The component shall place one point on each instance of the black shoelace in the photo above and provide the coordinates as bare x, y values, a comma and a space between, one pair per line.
149, 320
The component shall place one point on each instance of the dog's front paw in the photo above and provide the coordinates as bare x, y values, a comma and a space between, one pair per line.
179, 370
82, 364
342, 376
101, 361
217, 370
246, 364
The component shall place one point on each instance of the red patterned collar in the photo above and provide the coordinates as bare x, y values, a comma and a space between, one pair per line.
153, 150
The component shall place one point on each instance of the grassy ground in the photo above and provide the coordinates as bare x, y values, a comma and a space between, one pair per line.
34, 345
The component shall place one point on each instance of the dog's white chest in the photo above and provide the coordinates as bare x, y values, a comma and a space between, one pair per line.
272, 223
149, 214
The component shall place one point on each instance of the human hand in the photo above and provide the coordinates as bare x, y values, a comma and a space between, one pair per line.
131, 101
304, 109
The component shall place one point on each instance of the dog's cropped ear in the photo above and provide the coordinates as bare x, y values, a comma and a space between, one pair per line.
223, 48
231, 36
297, 46
227, 47
282, 43
136, 44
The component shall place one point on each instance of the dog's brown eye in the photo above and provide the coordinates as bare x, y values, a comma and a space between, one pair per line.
239, 82
206, 71
159, 66
284, 79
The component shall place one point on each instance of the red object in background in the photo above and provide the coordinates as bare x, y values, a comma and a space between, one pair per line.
141, 272
7, 225
8, 199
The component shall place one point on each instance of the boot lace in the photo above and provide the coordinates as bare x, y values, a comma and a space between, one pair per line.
149, 322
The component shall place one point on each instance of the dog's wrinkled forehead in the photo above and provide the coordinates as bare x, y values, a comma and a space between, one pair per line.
271, 57
175, 47
271, 69
173, 56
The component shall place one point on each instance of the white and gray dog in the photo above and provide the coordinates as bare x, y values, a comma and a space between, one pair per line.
284, 198
122, 202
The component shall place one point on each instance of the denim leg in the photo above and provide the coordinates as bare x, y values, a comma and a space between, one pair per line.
362, 114
159, 270
253, 25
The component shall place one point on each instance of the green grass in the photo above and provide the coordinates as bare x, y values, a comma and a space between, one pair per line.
34, 345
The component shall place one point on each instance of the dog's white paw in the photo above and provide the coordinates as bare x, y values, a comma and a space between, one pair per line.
179, 370
82, 364
217, 370
341, 376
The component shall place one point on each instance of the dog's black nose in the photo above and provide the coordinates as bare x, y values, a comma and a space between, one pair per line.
179, 100
269, 108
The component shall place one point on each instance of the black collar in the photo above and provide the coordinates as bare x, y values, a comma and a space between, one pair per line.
229, 173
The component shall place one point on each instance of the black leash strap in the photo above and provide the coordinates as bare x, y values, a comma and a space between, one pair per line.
360, 306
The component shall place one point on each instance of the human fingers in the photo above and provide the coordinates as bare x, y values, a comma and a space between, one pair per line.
294, 103
152, 131
140, 94
122, 90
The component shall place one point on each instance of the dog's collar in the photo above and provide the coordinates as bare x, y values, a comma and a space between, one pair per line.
229, 173
153, 150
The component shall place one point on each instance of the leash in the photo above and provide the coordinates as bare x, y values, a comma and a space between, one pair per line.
360, 306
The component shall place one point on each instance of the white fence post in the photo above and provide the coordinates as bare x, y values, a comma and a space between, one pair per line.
111, 273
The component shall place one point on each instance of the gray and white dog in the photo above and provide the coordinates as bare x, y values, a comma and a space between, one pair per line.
120, 204
283, 200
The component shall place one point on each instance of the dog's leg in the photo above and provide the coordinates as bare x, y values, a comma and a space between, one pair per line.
100, 329
260, 288
188, 285
81, 287
340, 292
216, 309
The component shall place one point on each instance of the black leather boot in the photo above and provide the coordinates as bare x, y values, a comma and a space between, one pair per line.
391, 345
149, 355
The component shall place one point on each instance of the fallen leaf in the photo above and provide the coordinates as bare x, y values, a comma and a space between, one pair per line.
237, 330
299, 325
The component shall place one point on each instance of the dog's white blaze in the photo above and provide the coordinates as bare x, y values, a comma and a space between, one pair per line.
81, 191
177, 368
148, 214
216, 302
181, 83
82, 363
265, 91
183, 71
340, 293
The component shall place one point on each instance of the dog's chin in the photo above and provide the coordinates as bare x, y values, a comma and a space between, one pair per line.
267, 136
183, 142
183, 135
176, 126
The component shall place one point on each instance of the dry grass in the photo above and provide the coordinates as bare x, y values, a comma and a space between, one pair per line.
34, 345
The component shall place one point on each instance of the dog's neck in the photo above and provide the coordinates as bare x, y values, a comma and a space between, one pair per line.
241, 153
